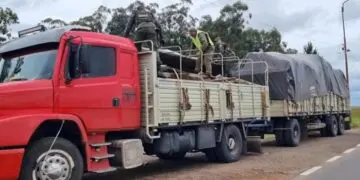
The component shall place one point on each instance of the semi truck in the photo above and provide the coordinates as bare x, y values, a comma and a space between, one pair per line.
75, 101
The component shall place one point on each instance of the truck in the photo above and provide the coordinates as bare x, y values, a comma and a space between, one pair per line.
75, 101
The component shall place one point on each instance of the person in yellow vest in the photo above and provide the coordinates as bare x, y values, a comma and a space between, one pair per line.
203, 43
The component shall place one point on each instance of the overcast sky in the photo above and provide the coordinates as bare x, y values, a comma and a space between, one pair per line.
299, 21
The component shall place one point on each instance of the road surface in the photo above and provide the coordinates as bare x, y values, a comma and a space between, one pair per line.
277, 163
345, 166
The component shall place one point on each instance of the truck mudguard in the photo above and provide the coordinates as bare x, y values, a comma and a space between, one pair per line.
17, 130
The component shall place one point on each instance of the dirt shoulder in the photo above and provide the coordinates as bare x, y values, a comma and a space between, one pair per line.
277, 163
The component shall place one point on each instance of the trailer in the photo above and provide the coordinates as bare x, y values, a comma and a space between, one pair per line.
75, 101
306, 94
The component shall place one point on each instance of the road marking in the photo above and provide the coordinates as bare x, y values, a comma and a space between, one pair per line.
349, 150
358, 145
309, 171
333, 159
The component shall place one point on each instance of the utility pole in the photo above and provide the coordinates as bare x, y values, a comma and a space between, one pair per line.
345, 46
347, 124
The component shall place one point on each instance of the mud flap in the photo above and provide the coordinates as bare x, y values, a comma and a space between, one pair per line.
253, 144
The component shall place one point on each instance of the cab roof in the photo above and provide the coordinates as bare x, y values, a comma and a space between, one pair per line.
49, 36
45, 37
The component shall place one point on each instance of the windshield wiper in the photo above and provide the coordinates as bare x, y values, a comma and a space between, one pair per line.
18, 79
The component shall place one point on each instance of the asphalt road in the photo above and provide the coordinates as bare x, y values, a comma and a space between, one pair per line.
277, 163
345, 166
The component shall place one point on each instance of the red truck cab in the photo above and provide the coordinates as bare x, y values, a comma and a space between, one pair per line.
70, 86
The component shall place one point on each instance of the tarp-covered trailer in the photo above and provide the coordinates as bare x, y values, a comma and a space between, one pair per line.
306, 94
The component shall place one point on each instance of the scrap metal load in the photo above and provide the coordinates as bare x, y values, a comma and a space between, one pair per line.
294, 77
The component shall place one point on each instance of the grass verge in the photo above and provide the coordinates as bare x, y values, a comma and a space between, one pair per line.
355, 117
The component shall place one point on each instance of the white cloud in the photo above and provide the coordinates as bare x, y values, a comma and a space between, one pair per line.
299, 21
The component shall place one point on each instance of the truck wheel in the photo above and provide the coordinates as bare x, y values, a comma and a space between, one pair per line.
63, 161
293, 134
341, 125
331, 126
211, 154
230, 147
279, 134
175, 156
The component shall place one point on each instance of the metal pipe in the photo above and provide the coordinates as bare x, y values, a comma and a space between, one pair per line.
146, 41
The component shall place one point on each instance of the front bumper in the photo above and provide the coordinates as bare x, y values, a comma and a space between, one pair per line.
10, 163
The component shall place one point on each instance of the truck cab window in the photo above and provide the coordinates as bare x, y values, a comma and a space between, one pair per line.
97, 62
32, 66
100, 62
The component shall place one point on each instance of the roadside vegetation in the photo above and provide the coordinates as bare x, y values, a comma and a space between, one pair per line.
355, 117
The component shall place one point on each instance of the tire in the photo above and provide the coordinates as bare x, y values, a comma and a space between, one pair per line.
211, 154
279, 134
331, 126
62, 155
293, 135
230, 148
175, 156
341, 125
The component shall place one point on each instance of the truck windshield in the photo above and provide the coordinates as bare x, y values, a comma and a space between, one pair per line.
33, 66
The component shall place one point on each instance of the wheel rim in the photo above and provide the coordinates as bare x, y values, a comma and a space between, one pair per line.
231, 143
342, 125
296, 131
53, 165
335, 126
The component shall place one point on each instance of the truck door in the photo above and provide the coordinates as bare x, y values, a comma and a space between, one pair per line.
130, 90
95, 94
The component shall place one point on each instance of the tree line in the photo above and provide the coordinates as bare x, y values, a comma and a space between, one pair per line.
232, 25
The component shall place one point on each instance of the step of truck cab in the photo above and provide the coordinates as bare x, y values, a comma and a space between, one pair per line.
98, 155
98, 146
103, 157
